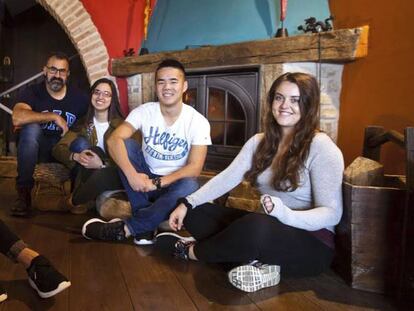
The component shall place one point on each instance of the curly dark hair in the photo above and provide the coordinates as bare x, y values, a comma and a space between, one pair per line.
114, 109
287, 173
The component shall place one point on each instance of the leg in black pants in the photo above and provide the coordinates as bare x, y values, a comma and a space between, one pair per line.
92, 182
10, 244
232, 235
43, 277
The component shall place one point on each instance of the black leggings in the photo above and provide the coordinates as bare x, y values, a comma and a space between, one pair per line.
10, 243
228, 235
90, 183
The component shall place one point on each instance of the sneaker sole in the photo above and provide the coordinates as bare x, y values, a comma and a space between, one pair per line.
180, 237
3, 297
250, 279
62, 286
95, 220
142, 242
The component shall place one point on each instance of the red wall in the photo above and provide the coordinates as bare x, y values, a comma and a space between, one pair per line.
377, 90
121, 25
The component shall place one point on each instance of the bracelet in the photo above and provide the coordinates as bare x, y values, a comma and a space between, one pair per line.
71, 156
157, 182
185, 202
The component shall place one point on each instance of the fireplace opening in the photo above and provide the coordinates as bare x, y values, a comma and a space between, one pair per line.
230, 102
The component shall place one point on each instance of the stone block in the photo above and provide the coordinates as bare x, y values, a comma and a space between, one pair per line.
364, 172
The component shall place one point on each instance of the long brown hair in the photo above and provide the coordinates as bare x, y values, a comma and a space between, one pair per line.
287, 173
114, 108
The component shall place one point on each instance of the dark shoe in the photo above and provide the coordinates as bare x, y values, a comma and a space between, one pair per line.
3, 294
146, 238
98, 229
23, 204
113, 204
254, 276
45, 279
169, 243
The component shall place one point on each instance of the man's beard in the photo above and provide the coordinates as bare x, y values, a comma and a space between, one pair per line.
55, 84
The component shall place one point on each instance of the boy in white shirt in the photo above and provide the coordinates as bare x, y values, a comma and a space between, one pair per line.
174, 147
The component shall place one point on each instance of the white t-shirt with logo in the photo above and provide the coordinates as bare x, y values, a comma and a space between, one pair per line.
166, 148
100, 128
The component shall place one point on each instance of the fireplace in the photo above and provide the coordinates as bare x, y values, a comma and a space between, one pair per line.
230, 102
228, 84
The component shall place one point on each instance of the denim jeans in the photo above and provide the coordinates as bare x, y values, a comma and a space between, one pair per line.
80, 144
33, 147
149, 209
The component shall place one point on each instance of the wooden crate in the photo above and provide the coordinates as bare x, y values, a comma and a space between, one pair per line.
374, 248
368, 238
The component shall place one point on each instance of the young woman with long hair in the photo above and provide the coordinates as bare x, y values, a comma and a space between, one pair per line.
297, 169
85, 147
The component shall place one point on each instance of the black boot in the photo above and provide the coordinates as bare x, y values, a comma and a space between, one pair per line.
23, 204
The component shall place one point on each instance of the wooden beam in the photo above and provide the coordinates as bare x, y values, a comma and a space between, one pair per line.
342, 45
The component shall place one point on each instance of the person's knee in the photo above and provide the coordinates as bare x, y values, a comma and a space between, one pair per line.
258, 225
30, 133
79, 144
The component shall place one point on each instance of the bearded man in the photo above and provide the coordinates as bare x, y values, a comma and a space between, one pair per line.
43, 114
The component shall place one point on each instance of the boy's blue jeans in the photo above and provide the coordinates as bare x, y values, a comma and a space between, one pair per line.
149, 209
33, 147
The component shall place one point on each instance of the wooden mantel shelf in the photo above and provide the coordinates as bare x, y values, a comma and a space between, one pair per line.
341, 46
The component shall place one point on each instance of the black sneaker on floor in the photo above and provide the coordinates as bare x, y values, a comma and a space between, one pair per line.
3, 294
169, 243
146, 238
45, 279
97, 229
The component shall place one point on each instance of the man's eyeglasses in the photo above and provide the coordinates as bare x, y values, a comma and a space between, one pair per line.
53, 70
104, 94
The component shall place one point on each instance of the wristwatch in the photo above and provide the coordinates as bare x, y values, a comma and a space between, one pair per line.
157, 182
185, 202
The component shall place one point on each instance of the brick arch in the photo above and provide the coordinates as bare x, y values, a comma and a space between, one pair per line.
78, 25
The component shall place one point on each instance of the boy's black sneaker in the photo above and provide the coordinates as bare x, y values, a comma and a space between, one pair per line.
3, 294
98, 229
169, 243
45, 279
146, 238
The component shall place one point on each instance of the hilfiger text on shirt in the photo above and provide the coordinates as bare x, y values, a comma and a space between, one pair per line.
168, 141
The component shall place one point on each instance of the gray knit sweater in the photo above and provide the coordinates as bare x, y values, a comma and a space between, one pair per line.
315, 204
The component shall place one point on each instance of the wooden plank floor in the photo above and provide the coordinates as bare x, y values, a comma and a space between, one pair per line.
122, 276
